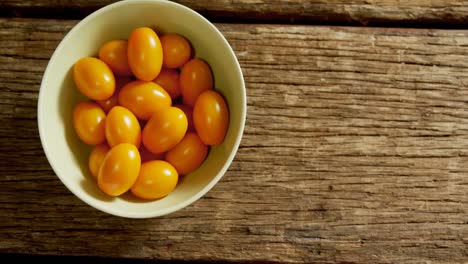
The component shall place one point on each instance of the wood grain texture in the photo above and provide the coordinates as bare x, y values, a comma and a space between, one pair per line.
420, 13
355, 151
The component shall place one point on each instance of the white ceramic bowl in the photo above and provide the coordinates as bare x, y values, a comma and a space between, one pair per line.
58, 95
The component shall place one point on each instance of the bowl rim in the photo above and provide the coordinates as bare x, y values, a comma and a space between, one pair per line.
184, 203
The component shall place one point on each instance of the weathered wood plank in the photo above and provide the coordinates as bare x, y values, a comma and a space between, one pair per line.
355, 150
434, 13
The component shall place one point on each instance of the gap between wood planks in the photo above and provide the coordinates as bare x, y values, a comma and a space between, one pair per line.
254, 17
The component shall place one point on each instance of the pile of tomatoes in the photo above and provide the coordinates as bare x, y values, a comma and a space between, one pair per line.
152, 116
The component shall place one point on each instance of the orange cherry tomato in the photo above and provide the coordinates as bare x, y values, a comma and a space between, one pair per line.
156, 179
114, 54
119, 169
165, 130
144, 98
145, 54
169, 80
147, 155
188, 155
211, 117
94, 78
176, 50
195, 78
89, 123
114, 99
188, 111
122, 127
96, 158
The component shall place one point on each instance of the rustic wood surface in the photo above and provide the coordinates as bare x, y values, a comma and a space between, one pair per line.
355, 151
434, 13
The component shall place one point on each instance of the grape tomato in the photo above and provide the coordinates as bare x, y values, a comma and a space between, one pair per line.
156, 179
165, 130
94, 78
114, 54
119, 169
195, 78
122, 127
144, 98
176, 50
211, 117
89, 123
188, 155
145, 54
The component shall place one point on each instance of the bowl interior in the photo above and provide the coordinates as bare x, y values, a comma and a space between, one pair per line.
58, 95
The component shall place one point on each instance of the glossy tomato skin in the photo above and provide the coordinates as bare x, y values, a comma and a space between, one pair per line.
188, 155
144, 98
114, 54
122, 127
169, 80
195, 78
188, 111
94, 78
211, 118
89, 122
96, 158
176, 50
156, 179
114, 99
145, 54
165, 129
119, 169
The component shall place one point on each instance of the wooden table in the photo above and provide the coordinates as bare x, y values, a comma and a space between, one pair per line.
355, 147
